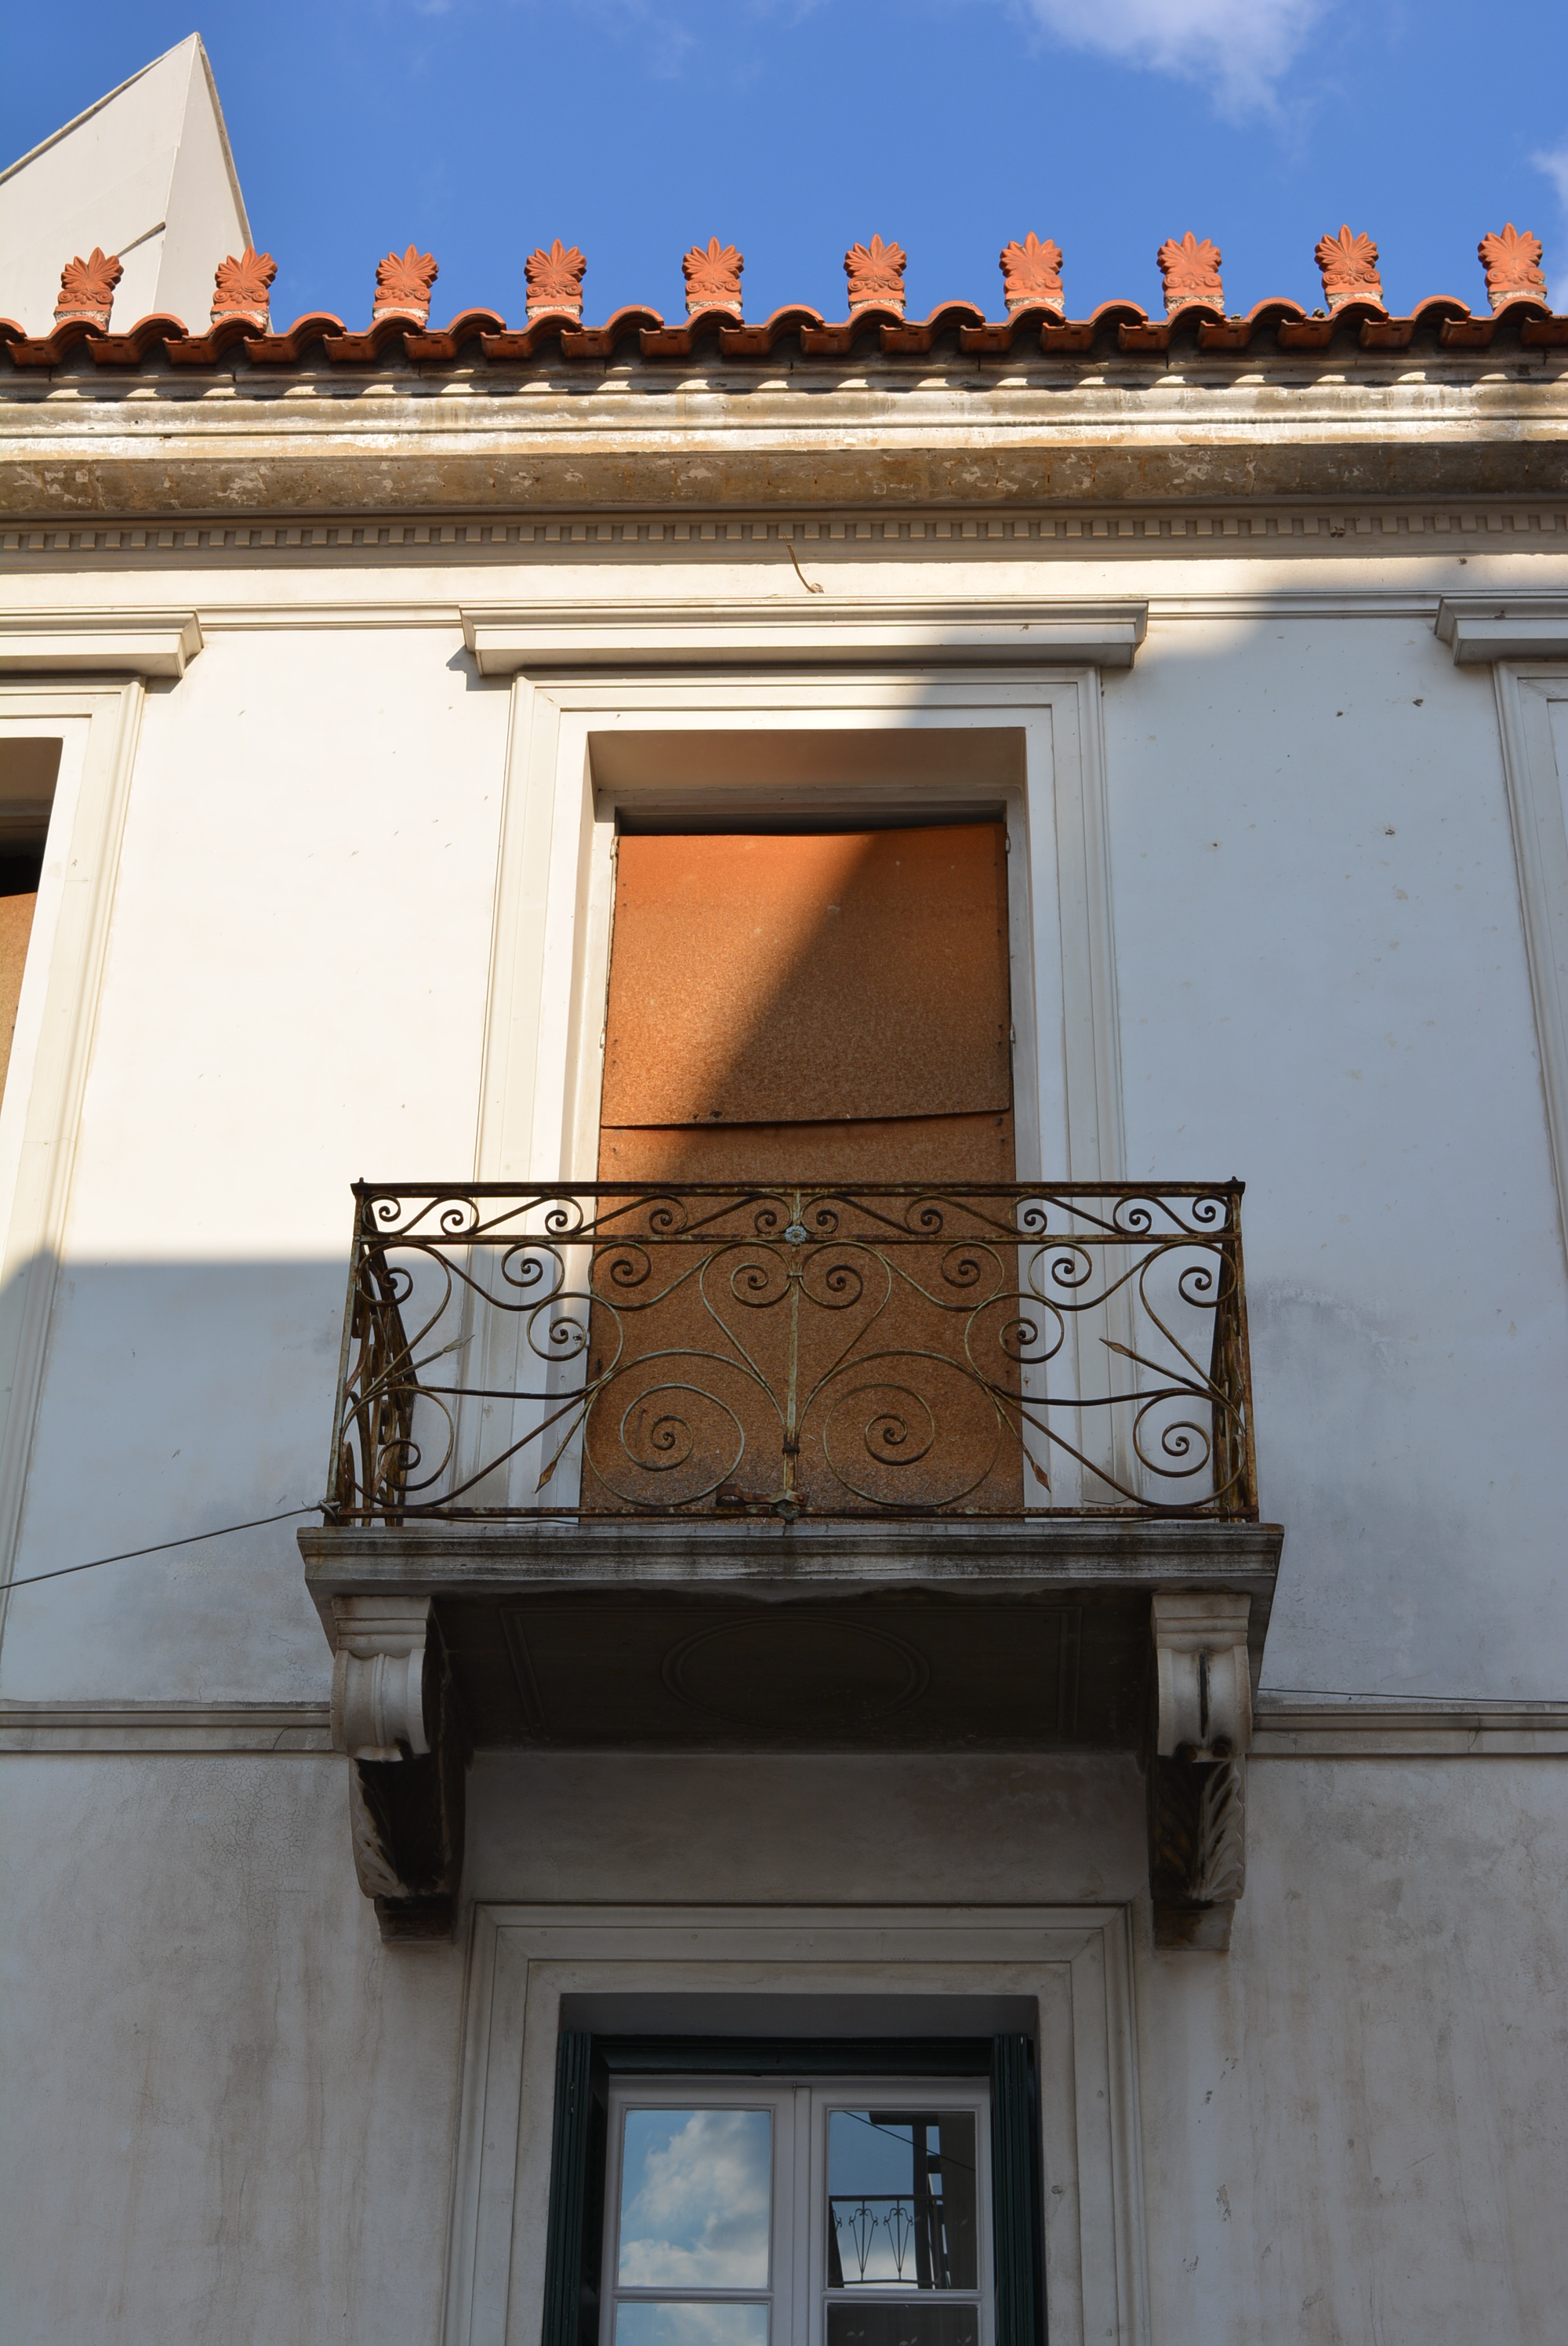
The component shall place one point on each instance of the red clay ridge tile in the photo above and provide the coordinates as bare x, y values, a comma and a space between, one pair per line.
756, 342
283, 350
1350, 269
1439, 310
1513, 271
87, 289
712, 279
555, 281
130, 349
403, 281
1032, 275
206, 349
600, 342
1079, 333
242, 287
448, 341
876, 275
1189, 273
915, 339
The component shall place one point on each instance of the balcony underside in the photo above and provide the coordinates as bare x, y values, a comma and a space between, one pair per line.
758, 1636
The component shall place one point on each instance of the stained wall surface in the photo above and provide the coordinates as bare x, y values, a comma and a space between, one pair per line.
1352, 2128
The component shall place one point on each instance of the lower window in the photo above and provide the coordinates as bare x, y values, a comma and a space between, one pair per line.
805, 2203
846, 2213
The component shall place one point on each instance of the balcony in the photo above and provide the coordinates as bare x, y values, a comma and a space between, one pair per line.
707, 1467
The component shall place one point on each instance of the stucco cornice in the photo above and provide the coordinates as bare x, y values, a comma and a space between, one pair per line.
635, 439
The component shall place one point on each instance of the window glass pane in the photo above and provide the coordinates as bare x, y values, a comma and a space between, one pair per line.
640, 2323
696, 2200
892, 2323
902, 2206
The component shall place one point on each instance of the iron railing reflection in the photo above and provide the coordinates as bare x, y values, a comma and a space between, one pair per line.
590, 1349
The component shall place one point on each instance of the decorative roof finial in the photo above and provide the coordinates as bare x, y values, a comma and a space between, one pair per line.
1032, 274
1512, 266
402, 286
1349, 267
1190, 273
712, 278
876, 275
555, 281
87, 289
242, 289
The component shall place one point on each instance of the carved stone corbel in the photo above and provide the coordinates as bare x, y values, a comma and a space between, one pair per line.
1197, 1774
394, 1715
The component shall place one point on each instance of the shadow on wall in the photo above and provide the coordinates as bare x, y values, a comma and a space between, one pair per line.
177, 1397
1414, 1561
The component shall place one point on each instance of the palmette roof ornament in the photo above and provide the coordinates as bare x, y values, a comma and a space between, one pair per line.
1032, 275
1512, 266
876, 276
1350, 267
87, 289
1189, 273
403, 281
242, 287
555, 281
712, 278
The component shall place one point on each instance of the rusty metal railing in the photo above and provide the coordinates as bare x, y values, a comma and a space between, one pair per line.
582, 1349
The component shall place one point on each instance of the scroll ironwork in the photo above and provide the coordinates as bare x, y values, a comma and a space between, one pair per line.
584, 1350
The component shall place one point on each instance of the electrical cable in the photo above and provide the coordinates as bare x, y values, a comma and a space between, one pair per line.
1365, 1694
159, 1546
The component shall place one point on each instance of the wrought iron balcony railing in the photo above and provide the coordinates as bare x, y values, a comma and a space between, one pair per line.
582, 1349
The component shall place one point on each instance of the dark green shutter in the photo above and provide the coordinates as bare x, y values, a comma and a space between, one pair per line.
575, 2236
1018, 2213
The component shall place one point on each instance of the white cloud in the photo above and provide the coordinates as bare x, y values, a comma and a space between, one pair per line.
1555, 261
1238, 48
694, 2207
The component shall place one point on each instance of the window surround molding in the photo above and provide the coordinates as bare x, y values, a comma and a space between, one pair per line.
544, 1041
1538, 814
1075, 1963
1481, 628
839, 628
98, 643
550, 938
98, 725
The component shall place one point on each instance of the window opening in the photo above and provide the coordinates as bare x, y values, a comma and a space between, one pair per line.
28, 771
771, 2194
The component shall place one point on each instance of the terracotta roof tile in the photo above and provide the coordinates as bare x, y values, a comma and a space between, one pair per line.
1032, 278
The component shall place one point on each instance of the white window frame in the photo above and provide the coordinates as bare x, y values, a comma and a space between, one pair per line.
1537, 799
97, 726
1074, 1964
800, 2109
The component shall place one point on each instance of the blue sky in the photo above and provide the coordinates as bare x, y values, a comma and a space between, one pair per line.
478, 128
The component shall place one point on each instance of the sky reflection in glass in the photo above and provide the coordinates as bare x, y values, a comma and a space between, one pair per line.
696, 2201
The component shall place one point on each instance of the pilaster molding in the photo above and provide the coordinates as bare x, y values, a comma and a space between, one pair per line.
98, 643
1533, 719
1197, 1784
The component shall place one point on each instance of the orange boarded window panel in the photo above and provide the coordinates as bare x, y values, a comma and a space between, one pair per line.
762, 980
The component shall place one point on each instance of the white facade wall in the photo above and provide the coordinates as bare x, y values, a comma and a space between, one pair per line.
1351, 2127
